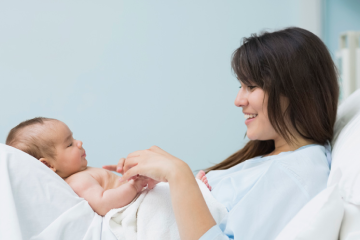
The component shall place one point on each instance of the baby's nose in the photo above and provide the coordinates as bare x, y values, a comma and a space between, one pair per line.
79, 144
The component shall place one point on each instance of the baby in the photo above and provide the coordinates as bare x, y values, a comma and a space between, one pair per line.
52, 143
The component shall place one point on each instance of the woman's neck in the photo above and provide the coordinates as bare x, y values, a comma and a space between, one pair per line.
282, 146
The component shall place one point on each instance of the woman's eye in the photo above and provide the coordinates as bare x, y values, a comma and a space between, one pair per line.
251, 87
240, 86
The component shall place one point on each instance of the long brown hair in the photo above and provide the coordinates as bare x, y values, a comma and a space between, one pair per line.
293, 63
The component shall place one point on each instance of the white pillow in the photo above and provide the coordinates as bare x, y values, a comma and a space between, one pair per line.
354, 236
346, 150
37, 204
320, 219
346, 111
350, 227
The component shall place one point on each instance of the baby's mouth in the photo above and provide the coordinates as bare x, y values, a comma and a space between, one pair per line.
84, 155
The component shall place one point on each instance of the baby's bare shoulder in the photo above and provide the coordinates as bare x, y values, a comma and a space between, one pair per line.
93, 170
82, 182
79, 177
84, 185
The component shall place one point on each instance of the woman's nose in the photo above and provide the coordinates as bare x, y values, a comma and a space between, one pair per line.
241, 99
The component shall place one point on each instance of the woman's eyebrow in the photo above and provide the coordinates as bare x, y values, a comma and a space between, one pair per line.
241, 83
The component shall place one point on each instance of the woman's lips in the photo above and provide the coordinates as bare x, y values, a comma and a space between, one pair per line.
247, 121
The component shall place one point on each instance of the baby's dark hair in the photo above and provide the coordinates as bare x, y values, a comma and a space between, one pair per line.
27, 137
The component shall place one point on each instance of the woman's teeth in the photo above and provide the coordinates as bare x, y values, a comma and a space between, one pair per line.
248, 116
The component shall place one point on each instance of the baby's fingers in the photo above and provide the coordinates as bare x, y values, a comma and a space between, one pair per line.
116, 168
152, 183
110, 167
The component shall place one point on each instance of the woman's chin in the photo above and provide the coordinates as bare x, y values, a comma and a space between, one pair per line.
251, 136
255, 137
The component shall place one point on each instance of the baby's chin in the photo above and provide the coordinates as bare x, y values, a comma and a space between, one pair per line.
85, 163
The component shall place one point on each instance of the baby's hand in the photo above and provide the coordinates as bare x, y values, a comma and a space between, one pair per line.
139, 183
201, 176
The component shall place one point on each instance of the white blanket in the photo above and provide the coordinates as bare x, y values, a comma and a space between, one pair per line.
150, 215
37, 204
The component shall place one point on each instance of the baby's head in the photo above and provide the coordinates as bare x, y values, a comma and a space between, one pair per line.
51, 142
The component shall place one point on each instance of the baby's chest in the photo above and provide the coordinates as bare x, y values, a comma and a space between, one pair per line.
106, 179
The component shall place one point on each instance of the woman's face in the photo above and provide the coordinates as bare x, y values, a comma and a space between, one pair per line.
253, 101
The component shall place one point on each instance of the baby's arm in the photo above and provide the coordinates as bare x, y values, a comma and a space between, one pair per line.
102, 201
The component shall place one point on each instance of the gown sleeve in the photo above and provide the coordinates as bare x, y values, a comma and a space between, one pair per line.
266, 207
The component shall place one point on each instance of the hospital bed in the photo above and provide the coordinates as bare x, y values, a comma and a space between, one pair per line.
37, 204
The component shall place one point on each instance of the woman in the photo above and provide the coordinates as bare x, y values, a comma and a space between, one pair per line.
289, 95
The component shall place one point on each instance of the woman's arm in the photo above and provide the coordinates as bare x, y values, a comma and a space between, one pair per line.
191, 212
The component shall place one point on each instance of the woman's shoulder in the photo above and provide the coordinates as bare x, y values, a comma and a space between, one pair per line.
308, 167
305, 156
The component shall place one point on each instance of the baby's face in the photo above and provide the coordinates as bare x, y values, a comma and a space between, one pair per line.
70, 155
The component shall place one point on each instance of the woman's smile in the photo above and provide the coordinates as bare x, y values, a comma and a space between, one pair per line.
249, 117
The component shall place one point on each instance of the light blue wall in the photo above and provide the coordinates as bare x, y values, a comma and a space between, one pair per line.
339, 17
126, 75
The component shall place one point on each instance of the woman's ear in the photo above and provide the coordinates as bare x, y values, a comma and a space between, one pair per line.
48, 163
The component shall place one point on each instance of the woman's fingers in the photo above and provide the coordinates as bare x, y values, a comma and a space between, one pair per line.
120, 166
132, 172
156, 149
153, 163
135, 154
132, 160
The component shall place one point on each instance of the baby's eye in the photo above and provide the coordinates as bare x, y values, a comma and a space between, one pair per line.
70, 145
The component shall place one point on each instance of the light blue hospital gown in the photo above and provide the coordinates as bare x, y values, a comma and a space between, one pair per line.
264, 193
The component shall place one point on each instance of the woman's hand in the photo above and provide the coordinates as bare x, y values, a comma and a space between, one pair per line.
154, 163
192, 215
120, 169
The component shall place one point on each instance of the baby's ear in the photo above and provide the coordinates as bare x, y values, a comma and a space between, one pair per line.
48, 163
